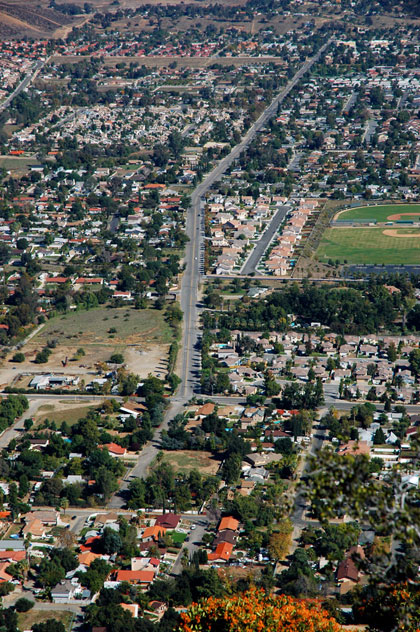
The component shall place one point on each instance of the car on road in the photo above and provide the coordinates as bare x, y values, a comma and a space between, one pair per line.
193, 526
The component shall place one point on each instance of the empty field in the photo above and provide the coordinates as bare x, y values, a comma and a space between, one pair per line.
187, 460
17, 163
93, 327
381, 213
28, 619
62, 411
162, 61
370, 245
142, 336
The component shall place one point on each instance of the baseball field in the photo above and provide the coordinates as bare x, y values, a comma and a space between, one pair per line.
370, 245
391, 243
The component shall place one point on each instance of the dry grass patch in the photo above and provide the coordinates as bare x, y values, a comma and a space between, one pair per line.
27, 619
187, 460
62, 412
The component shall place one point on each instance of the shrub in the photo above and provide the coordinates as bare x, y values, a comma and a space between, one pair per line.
19, 357
255, 611
23, 604
117, 358
42, 356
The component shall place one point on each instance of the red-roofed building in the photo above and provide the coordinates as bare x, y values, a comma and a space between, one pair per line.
222, 553
89, 281
56, 280
138, 578
168, 520
114, 449
228, 523
90, 543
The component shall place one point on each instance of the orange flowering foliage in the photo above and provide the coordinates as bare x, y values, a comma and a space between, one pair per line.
395, 606
255, 611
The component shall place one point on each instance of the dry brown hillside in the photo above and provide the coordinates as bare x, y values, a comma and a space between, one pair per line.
20, 18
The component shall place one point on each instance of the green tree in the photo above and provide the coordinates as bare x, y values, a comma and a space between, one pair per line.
105, 482
379, 437
23, 604
414, 359
51, 625
110, 541
231, 468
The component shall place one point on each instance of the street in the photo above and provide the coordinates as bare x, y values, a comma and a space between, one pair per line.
23, 84
190, 366
261, 246
190, 359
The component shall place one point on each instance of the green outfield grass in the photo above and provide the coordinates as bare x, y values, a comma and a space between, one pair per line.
380, 212
369, 245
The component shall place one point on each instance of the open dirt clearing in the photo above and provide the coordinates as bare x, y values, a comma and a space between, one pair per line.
159, 62
187, 460
142, 336
62, 411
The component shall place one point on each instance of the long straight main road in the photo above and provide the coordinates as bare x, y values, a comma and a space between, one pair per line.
190, 286
23, 84
190, 363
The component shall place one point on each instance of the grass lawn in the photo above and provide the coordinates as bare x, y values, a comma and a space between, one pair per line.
14, 529
92, 327
17, 162
187, 460
380, 212
178, 537
56, 413
27, 619
369, 245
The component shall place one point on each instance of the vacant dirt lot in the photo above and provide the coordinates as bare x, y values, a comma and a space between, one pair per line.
159, 62
142, 336
63, 411
187, 460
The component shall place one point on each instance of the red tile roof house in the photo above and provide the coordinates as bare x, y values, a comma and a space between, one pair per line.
138, 578
228, 522
89, 281
348, 574
114, 449
169, 521
57, 279
222, 553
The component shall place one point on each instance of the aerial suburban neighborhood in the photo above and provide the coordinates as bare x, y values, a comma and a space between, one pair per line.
209, 316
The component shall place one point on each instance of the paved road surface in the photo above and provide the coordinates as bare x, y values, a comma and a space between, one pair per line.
190, 290
146, 457
190, 365
261, 246
370, 130
193, 543
294, 163
350, 102
23, 84
298, 514
16, 430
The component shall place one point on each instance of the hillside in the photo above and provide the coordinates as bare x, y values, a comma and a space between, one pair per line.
34, 20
